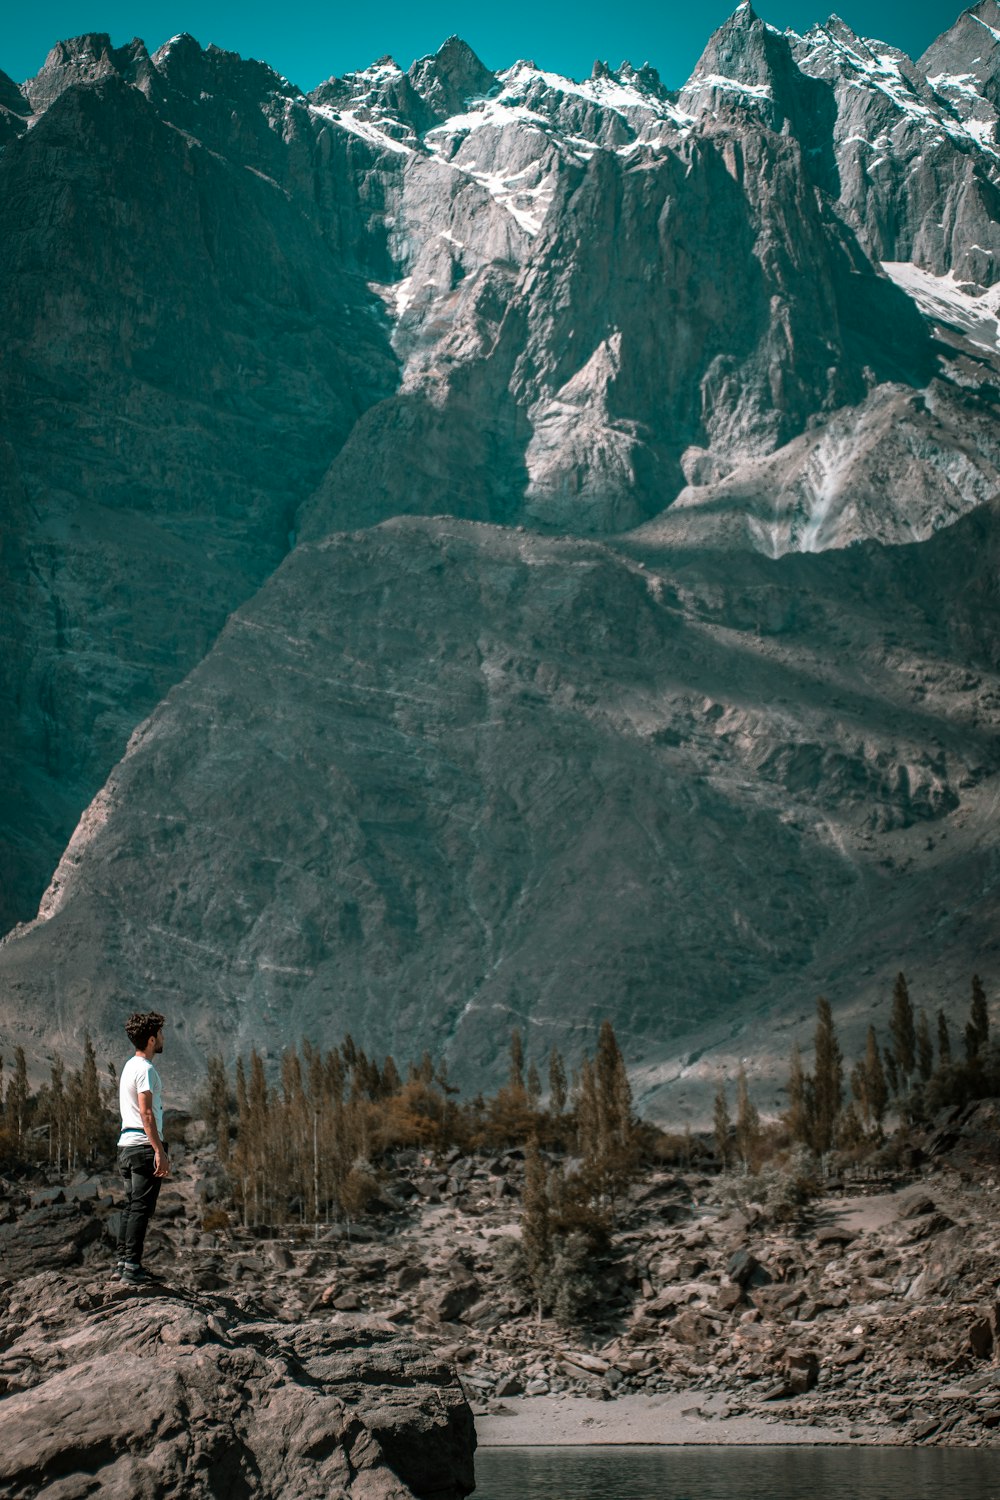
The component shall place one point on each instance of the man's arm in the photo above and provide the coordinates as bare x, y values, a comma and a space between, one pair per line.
162, 1165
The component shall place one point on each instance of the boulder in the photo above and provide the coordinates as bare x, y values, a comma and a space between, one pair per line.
835, 1234
745, 1270
981, 1338
691, 1328
728, 1298
450, 1302
50, 1237
589, 1362
224, 1392
801, 1370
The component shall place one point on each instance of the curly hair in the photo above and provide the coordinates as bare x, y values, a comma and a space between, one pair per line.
142, 1025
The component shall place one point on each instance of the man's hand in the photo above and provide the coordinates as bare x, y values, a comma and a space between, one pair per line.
161, 1166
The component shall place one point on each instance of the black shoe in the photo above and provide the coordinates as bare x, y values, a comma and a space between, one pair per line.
137, 1276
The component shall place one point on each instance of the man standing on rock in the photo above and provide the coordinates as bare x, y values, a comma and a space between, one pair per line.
142, 1156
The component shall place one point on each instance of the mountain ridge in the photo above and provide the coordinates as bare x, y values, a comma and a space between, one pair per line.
504, 355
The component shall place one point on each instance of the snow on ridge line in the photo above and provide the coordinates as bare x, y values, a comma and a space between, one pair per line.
880, 70
607, 92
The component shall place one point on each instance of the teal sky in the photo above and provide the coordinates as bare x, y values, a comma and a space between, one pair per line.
308, 41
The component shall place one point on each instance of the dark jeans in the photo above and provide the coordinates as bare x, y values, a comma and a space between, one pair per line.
136, 1164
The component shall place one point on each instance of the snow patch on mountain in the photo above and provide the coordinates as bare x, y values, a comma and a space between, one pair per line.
945, 300
347, 119
728, 85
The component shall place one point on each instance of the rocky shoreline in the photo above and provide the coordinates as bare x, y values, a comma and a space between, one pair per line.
873, 1319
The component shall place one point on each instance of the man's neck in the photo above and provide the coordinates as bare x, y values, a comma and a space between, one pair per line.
146, 1053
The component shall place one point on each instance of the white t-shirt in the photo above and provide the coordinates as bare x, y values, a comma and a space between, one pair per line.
138, 1077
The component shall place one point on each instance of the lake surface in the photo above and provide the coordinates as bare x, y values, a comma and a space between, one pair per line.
738, 1474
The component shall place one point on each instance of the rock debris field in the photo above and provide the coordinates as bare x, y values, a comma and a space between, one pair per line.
292, 1358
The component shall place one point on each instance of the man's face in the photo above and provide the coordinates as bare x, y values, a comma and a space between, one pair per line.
159, 1040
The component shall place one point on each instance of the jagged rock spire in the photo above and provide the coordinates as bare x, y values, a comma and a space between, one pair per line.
452, 76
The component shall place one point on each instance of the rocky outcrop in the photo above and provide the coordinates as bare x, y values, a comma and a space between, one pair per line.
173, 1394
867, 1312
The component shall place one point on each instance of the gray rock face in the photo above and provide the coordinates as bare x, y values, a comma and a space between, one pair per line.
965, 60
249, 329
180, 1395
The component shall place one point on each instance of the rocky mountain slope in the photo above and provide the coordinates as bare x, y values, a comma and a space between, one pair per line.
529, 546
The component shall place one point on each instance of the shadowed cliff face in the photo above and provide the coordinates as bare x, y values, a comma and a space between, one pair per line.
585, 733
183, 355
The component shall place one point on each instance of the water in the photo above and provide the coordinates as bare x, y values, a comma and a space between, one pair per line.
706, 1473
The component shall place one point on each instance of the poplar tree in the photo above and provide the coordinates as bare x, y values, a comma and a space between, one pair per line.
587, 1125
943, 1040
90, 1122
891, 1071
557, 1083
516, 1075
902, 1029
721, 1123
536, 1224
925, 1048
17, 1100
747, 1120
605, 1128
828, 1078
876, 1087
859, 1089
799, 1115
217, 1106
868, 1083
57, 1112
391, 1081
614, 1092
977, 1032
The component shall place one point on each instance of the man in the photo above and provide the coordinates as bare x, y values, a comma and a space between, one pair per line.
142, 1156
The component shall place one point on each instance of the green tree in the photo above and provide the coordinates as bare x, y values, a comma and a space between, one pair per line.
925, 1047
902, 1029
721, 1123
557, 1083
516, 1075
877, 1089
891, 1071
536, 1225
90, 1119
606, 1131
799, 1115
217, 1106
747, 1121
18, 1101
977, 1032
828, 1078
391, 1081
943, 1040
